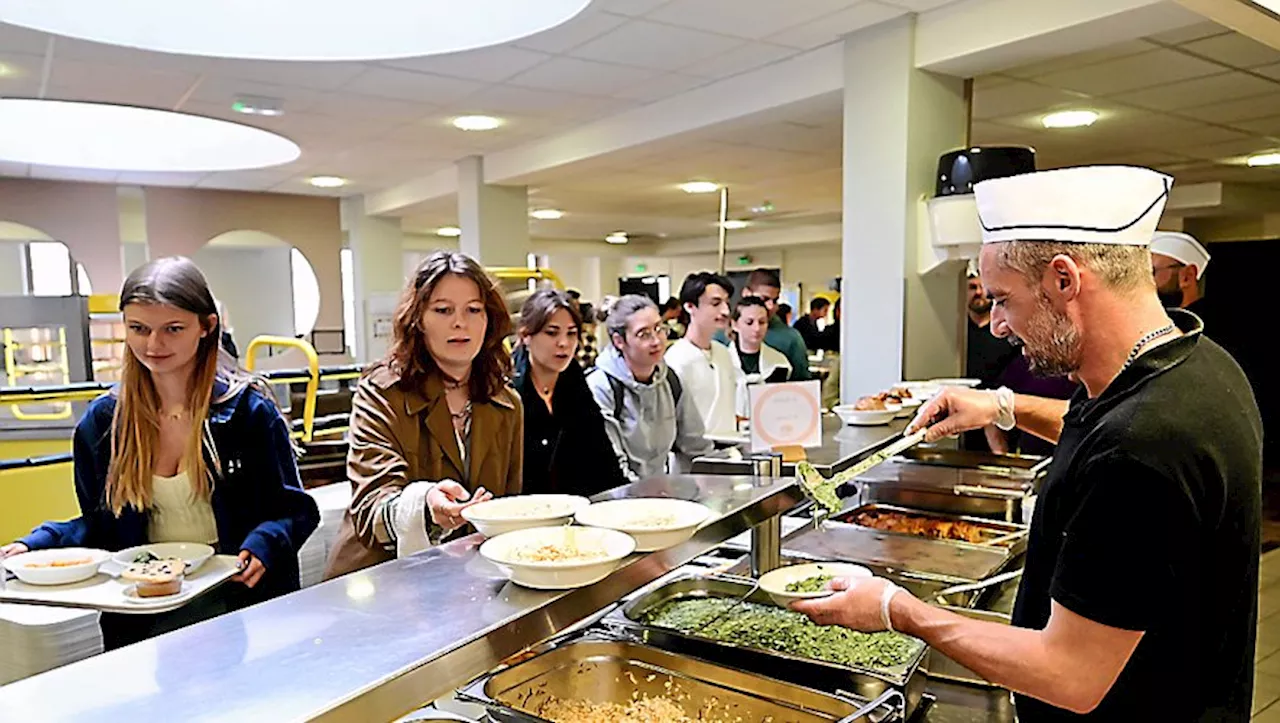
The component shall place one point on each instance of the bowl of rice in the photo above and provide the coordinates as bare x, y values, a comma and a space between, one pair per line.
558, 558
508, 514
656, 523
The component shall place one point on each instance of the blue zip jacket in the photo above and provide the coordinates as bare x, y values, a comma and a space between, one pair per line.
258, 502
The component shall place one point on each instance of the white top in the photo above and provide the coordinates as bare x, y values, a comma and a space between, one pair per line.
770, 360
707, 377
178, 514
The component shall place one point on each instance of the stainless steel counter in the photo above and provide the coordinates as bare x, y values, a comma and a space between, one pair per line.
842, 447
373, 645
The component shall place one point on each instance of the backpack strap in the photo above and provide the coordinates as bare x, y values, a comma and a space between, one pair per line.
676, 387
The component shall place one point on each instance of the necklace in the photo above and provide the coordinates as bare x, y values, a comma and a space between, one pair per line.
175, 416
462, 413
1150, 337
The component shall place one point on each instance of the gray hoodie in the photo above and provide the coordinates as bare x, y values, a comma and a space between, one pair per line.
650, 425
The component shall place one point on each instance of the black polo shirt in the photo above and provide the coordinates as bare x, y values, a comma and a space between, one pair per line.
1149, 520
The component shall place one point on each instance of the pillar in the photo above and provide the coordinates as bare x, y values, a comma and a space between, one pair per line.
494, 219
896, 323
377, 270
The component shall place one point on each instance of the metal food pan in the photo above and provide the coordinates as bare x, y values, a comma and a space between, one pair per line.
1012, 534
1012, 465
618, 671
865, 682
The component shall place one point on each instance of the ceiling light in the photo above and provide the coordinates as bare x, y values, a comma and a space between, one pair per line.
734, 224
449, 231
1070, 119
547, 214
617, 237
476, 122
700, 187
123, 138
1264, 159
327, 181
255, 105
7, 71
272, 31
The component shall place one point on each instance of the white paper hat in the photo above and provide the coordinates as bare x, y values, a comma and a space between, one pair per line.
1182, 247
1089, 204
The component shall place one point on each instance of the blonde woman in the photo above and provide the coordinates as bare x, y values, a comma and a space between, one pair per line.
187, 448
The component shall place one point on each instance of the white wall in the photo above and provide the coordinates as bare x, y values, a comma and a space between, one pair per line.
254, 286
11, 268
813, 265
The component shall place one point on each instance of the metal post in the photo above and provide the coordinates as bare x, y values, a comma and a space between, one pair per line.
766, 537
724, 218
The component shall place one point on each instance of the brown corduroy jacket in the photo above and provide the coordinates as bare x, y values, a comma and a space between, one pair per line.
400, 435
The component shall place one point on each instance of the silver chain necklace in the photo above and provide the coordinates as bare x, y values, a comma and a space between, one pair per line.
1137, 348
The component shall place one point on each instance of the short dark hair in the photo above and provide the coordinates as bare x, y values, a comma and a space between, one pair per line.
574, 294
695, 285
671, 304
818, 303
748, 301
764, 277
784, 309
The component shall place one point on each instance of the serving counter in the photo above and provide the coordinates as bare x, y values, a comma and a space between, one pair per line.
373, 645
842, 447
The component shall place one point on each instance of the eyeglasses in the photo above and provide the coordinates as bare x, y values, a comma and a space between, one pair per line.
1157, 269
647, 335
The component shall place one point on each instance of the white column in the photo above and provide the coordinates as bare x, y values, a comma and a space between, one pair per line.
377, 251
897, 121
494, 219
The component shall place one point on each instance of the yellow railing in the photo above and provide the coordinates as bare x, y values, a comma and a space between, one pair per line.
14, 371
312, 379
515, 273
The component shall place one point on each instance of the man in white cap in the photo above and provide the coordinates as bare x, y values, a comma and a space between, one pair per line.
1138, 601
1178, 262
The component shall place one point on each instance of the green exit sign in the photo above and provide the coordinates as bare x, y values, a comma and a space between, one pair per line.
744, 260
641, 268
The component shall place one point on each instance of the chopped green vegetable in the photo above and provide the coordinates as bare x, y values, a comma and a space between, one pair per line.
774, 629
822, 490
817, 583
144, 557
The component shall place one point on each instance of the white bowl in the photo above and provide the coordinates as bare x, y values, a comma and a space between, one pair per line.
21, 565
868, 418
519, 512
921, 390
194, 554
636, 518
558, 575
775, 582
969, 383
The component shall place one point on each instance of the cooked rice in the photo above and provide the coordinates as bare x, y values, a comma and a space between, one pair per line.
557, 552
645, 710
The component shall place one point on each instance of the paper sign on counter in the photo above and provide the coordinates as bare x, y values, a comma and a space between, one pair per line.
786, 415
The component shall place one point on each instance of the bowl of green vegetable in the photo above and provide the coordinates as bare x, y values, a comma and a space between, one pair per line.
805, 582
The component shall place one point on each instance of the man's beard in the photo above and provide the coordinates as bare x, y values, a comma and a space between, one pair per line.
1170, 295
979, 306
1052, 343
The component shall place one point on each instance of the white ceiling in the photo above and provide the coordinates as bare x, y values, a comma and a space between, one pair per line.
382, 123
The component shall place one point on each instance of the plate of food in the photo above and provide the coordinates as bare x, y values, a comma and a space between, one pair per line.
868, 411
558, 558
152, 579
656, 523
193, 554
508, 514
804, 582
61, 566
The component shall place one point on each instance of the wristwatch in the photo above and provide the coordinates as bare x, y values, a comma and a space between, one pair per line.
1004, 403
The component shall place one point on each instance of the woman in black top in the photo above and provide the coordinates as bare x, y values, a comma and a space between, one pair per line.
565, 446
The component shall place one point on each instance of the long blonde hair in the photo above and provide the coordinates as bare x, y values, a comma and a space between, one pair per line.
135, 427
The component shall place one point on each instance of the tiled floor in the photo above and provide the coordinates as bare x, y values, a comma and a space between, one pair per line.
1266, 685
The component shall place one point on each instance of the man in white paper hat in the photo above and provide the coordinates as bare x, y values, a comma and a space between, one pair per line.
1178, 262
1138, 601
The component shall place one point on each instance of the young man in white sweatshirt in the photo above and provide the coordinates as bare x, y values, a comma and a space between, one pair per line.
705, 367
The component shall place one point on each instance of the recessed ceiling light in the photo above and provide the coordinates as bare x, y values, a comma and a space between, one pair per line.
617, 237
700, 187
7, 71
271, 31
734, 224
255, 105
327, 181
123, 138
547, 214
449, 231
1070, 119
476, 122
1264, 159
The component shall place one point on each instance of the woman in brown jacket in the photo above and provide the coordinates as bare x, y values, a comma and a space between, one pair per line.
434, 426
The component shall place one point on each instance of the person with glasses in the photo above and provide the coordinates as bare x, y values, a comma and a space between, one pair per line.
647, 416
1178, 262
